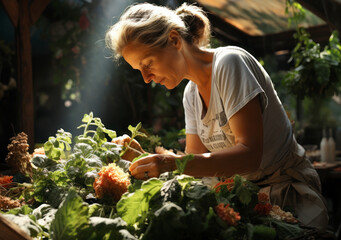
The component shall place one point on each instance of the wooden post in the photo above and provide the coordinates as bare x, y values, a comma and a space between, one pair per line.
24, 13
24, 70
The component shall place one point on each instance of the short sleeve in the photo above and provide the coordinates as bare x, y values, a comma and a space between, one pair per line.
238, 78
189, 108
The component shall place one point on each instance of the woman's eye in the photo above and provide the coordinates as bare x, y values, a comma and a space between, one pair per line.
148, 65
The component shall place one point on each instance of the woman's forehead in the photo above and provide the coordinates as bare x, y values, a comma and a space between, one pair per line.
135, 53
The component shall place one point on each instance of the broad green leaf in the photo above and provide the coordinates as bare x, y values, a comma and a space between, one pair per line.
262, 232
171, 191
83, 148
181, 163
244, 195
111, 229
167, 223
44, 215
197, 191
25, 210
285, 230
42, 161
86, 140
70, 219
134, 206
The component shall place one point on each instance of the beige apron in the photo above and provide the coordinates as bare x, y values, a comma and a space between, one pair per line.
293, 183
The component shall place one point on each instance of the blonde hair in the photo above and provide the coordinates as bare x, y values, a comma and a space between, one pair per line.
150, 24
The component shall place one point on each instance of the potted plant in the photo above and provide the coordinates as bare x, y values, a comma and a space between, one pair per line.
315, 77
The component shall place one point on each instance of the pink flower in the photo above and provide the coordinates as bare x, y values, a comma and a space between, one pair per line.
75, 49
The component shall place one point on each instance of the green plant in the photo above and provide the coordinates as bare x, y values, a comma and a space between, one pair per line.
317, 71
62, 204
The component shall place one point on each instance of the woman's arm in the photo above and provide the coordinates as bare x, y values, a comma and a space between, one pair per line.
244, 157
194, 144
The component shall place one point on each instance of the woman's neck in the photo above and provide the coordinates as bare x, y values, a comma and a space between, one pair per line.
199, 64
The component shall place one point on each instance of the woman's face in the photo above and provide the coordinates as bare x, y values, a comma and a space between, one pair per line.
165, 66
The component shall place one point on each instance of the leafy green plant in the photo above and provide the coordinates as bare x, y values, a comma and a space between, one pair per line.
62, 204
317, 71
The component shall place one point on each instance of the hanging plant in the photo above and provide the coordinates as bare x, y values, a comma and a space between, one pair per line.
317, 71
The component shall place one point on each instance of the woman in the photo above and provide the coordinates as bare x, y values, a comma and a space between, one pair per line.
235, 123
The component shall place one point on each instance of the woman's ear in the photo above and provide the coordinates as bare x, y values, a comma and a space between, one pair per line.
175, 39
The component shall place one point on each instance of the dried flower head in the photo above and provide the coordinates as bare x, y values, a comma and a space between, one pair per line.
18, 157
112, 182
277, 213
7, 203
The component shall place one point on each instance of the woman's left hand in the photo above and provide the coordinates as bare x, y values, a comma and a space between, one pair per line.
153, 165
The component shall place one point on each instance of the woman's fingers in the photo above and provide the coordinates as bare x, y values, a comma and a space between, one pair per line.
134, 149
145, 167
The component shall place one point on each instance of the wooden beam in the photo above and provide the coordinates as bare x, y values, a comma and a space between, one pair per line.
11, 7
328, 10
22, 14
36, 9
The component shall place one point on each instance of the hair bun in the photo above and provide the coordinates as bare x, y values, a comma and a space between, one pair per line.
197, 23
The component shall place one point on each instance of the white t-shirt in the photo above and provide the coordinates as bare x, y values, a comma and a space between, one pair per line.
237, 77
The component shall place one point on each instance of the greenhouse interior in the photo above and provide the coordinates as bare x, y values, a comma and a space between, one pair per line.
170, 119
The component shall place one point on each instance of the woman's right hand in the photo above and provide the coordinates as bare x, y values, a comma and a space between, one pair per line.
134, 149
153, 165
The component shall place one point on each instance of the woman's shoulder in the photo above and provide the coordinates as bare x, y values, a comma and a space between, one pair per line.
190, 88
230, 53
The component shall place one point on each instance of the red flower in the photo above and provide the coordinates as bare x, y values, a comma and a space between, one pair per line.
229, 183
84, 22
263, 208
227, 214
6, 181
113, 182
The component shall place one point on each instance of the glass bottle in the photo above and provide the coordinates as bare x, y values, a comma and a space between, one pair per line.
331, 147
324, 147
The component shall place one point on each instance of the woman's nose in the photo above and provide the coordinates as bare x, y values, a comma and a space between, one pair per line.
147, 76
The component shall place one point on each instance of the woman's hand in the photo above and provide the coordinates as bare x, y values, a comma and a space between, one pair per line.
153, 165
134, 149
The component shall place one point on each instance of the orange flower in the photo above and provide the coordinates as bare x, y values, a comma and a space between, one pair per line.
227, 214
113, 182
6, 181
229, 183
